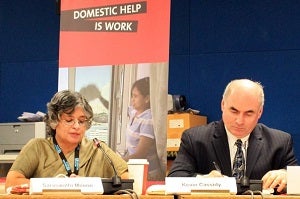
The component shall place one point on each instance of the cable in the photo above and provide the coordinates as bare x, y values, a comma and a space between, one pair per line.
133, 192
252, 193
249, 192
260, 193
130, 192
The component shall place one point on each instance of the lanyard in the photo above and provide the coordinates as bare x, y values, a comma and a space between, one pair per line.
64, 159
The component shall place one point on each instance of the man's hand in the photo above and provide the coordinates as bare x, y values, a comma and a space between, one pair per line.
275, 178
213, 173
90, 92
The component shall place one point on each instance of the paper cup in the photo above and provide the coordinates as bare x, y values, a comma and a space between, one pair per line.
138, 171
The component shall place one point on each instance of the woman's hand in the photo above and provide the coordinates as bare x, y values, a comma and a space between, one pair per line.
18, 189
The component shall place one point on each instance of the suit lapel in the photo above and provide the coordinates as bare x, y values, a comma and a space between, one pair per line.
253, 150
221, 147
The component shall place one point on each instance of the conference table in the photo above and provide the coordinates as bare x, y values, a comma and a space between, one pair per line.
222, 196
196, 196
70, 195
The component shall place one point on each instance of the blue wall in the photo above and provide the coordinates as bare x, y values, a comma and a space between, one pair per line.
215, 41
29, 32
211, 42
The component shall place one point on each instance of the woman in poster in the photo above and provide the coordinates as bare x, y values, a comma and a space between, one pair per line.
140, 137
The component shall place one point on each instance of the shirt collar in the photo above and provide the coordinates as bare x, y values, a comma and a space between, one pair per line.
232, 138
147, 111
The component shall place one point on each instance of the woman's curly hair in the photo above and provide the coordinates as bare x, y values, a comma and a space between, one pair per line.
65, 101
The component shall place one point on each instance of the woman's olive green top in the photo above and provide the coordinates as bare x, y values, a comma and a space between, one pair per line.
38, 158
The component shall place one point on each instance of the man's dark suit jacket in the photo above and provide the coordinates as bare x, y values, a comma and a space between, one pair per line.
268, 149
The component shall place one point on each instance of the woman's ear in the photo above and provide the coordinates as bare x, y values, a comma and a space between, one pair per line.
53, 125
147, 99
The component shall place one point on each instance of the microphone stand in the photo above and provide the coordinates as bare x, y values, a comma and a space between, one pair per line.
245, 182
116, 180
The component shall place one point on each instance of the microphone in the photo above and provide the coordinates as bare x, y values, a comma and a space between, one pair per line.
244, 184
116, 180
244, 180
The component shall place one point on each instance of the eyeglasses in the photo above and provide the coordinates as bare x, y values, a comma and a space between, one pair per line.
71, 122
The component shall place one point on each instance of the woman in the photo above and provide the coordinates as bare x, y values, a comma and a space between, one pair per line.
140, 138
67, 151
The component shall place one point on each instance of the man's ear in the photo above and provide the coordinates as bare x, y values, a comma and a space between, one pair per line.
222, 105
260, 112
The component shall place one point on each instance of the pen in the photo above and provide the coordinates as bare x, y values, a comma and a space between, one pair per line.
217, 167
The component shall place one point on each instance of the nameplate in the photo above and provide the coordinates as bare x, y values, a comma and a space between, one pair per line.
83, 185
192, 185
293, 178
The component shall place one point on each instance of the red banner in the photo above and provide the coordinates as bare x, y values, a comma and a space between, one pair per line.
97, 32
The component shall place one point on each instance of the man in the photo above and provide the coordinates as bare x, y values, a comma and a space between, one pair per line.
266, 151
